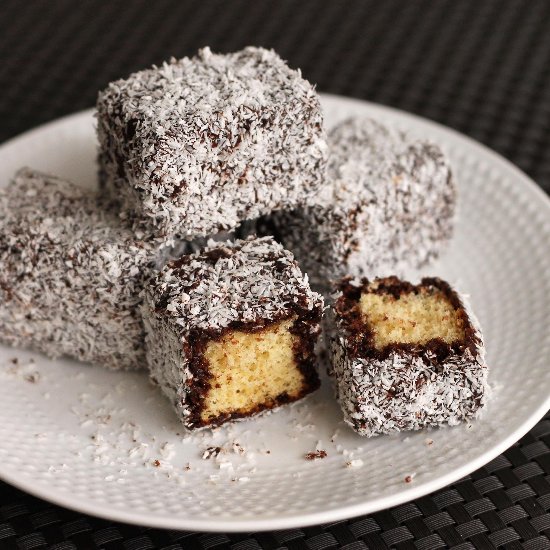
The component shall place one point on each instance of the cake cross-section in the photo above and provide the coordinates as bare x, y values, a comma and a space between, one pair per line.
405, 356
70, 274
388, 205
198, 144
231, 331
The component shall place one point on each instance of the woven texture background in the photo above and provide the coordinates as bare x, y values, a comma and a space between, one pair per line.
482, 67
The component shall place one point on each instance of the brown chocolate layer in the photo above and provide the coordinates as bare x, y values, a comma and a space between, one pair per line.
360, 333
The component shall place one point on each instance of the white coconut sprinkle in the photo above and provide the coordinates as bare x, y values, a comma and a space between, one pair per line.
198, 144
388, 205
70, 275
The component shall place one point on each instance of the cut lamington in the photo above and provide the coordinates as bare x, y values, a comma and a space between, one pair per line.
405, 356
388, 205
198, 144
231, 331
70, 275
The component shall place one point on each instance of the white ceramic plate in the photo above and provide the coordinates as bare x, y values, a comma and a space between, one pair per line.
109, 445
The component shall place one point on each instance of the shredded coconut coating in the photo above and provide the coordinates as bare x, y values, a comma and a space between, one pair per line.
229, 285
198, 144
70, 276
389, 205
407, 390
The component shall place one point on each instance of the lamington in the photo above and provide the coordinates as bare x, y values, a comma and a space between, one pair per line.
70, 275
231, 331
198, 144
405, 356
388, 206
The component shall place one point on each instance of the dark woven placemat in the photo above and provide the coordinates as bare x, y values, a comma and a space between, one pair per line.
482, 67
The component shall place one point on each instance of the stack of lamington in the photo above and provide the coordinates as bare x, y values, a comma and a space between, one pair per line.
126, 277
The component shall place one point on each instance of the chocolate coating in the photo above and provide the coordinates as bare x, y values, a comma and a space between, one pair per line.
389, 205
404, 386
246, 285
198, 144
70, 275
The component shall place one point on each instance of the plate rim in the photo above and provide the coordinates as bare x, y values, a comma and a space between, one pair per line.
45, 492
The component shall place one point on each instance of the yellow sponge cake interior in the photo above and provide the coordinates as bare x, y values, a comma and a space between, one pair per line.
251, 371
414, 317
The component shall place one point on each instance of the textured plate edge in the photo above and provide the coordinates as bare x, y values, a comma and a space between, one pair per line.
250, 524
255, 525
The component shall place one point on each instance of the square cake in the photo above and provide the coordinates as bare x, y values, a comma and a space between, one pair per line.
388, 205
231, 331
198, 144
405, 356
70, 275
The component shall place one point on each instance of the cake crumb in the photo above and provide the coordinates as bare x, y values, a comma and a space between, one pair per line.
238, 448
429, 442
409, 478
314, 455
156, 463
212, 452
